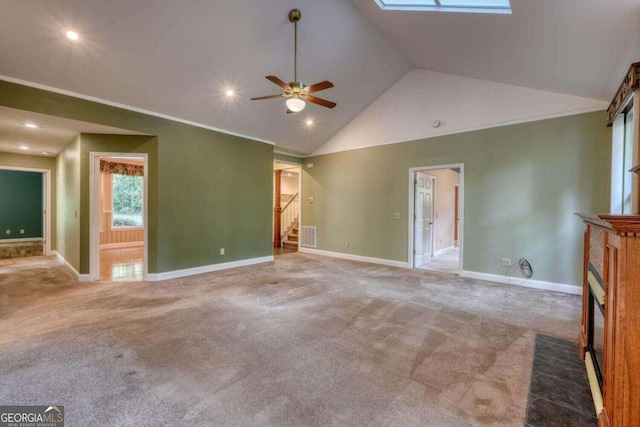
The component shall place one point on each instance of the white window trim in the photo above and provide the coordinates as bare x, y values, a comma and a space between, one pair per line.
438, 7
126, 227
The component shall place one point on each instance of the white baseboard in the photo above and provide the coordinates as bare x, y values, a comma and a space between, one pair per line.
526, 283
79, 277
156, 277
441, 251
122, 245
350, 257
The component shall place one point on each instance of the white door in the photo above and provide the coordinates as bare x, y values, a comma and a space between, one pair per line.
423, 217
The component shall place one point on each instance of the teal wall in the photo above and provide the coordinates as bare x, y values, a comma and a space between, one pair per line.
212, 190
522, 185
21, 195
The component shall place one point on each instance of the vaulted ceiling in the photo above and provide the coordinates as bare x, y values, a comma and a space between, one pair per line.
178, 58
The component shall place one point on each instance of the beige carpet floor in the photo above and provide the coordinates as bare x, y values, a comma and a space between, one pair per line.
446, 262
304, 341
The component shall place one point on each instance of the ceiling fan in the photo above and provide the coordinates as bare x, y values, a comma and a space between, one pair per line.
298, 93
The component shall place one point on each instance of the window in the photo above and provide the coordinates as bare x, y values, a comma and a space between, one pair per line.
127, 201
468, 6
622, 161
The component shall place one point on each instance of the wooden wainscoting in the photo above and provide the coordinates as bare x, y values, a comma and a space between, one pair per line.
114, 236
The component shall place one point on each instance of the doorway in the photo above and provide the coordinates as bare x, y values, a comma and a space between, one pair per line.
436, 206
119, 217
286, 207
26, 218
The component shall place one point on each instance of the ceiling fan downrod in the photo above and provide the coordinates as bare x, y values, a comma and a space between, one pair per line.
294, 16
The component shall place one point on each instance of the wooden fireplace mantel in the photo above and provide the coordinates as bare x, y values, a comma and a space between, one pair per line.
612, 249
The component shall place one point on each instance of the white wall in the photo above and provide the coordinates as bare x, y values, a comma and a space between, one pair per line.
446, 180
289, 184
408, 109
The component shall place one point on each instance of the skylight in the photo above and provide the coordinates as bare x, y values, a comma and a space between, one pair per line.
467, 6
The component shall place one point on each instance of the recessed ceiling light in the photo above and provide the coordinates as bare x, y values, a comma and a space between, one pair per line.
46, 153
309, 122
23, 147
72, 35
31, 125
289, 174
230, 92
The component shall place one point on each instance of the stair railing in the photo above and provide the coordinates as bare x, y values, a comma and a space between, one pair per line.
289, 216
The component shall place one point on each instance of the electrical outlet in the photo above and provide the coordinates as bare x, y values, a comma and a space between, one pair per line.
221, 251
506, 262
8, 232
22, 231
347, 243
396, 215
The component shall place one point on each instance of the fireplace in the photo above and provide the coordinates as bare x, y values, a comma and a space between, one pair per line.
595, 328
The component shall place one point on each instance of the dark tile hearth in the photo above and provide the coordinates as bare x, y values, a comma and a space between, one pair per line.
559, 394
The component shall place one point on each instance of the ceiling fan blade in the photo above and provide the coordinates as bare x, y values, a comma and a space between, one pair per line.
279, 82
267, 97
291, 112
319, 101
318, 86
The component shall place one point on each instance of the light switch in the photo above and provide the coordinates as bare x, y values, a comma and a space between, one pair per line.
22, 231
8, 232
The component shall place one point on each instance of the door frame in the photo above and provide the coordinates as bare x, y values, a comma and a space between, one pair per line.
456, 215
411, 221
46, 220
94, 211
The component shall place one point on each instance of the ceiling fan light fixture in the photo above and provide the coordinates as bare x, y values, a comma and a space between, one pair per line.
297, 92
295, 104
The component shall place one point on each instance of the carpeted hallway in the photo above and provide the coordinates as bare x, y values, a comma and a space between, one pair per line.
305, 341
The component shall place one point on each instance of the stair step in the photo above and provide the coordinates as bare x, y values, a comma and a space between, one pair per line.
290, 244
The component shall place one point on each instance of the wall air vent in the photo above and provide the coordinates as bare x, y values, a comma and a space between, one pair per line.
308, 236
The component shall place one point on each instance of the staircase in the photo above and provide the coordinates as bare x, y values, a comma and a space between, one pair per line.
291, 240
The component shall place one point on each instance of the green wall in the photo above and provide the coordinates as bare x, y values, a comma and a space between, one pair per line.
36, 162
522, 185
213, 190
68, 203
21, 195
289, 159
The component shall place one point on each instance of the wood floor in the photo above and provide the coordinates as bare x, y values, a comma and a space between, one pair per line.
124, 264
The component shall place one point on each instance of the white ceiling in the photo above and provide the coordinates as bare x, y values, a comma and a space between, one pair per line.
576, 47
177, 58
51, 136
